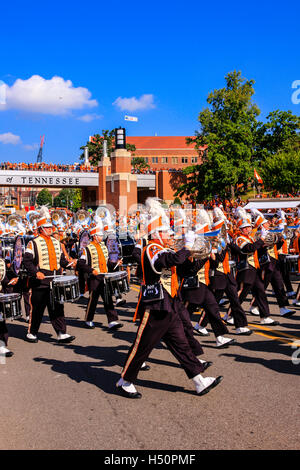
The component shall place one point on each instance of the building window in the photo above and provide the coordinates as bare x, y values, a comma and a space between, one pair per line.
164, 160
146, 159
194, 159
154, 159
174, 159
184, 160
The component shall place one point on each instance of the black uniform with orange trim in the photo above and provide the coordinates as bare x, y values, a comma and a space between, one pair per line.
202, 296
160, 319
248, 274
270, 272
44, 254
183, 312
95, 256
222, 280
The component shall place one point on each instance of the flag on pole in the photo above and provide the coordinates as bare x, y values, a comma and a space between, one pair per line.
258, 178
131, 118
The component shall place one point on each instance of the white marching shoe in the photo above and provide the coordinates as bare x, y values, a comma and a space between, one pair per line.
223, 342
65, 338
31, 338
4, 351
254, 311
286, 312
127, 389
200, 330
243, 330
269, 321
205, 384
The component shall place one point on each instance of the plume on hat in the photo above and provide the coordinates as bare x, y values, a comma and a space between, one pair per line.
219, 214
203, 217
241, 213
156, 209
255, 213
44, 212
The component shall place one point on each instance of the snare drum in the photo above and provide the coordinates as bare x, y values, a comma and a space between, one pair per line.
65, 289
291, 264
116, 283
10, 306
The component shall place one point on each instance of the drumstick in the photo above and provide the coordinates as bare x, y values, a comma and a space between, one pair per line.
117, 264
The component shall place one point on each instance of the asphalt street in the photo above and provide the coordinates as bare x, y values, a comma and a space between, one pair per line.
64, 397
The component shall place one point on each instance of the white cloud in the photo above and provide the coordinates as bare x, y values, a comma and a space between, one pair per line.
31, 146
135, 104
55, 96
89, 117
9, 138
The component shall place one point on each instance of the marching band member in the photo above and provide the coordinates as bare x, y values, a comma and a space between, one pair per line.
248, 274
269, 266
194, 287
222, 280
43, 259
4, 351
94, 261
158, 309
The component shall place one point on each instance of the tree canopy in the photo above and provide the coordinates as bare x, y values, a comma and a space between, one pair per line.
44, 198
96, 146
232, 142
69, 198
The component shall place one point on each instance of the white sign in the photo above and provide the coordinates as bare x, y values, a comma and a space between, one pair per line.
47, 178
131, 118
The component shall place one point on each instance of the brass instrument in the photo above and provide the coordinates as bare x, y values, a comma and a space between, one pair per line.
2, 270
270, 240
83, 217
202, 248
13, 221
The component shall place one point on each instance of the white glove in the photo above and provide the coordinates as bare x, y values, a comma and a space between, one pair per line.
263, 233
189, 239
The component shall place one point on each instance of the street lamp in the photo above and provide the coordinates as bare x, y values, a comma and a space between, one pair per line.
120, 138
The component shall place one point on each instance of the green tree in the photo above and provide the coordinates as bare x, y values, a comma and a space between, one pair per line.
279, 133
44, 198
227, 131
139, 163
96, 146
69, 198
280, 172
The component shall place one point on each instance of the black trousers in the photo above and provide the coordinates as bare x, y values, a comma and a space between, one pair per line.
255, 285
157, 325
285, 273
3, 332
237, 310
40, 299
98, 290
274, 277
195, 346
203, 297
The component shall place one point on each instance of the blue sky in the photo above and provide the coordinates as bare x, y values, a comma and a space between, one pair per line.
156, 60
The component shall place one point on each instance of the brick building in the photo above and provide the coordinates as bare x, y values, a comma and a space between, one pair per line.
165, 153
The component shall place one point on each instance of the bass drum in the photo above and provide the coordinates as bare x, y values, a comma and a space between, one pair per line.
17, 259
114, 249
84, 240
127, 246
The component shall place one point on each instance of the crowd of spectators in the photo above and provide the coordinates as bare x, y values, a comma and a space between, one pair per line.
47, 167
